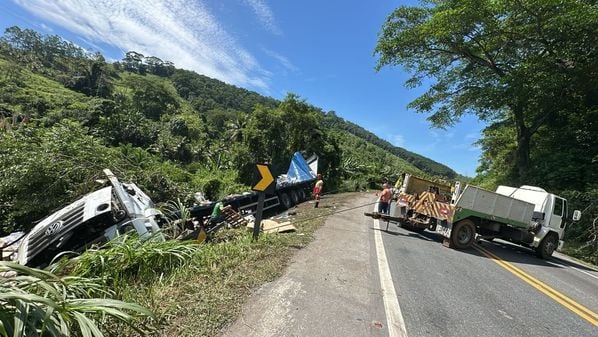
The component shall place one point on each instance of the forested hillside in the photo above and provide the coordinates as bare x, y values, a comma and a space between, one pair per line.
66, 114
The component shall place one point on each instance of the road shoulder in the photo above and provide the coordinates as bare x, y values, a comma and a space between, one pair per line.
329, 288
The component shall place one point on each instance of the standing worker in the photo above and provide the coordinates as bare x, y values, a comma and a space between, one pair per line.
384, 201
318, 190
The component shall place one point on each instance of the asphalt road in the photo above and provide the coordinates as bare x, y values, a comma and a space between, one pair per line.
357, 279
445, 292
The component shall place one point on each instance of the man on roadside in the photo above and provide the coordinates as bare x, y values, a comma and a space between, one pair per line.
318, 190
384, 202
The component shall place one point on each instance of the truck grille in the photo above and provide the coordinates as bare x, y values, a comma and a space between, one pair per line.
65, 223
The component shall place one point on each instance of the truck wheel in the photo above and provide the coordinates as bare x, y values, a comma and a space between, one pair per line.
302, 195
294, 197
463, 234
547, 246
285, 200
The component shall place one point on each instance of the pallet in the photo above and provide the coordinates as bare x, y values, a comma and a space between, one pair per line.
233, 218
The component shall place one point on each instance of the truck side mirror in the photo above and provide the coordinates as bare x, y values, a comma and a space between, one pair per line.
576, 215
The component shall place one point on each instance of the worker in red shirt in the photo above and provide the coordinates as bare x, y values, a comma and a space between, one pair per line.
318, 190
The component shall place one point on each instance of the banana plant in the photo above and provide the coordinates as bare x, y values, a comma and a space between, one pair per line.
35, 302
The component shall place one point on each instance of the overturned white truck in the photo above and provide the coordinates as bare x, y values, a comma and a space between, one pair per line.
95, 218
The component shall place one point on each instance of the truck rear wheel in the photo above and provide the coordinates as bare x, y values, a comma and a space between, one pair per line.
294, 197
463, 234
547, 246
302, 195
285, 200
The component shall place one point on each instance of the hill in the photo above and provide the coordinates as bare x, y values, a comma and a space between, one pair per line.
66, 114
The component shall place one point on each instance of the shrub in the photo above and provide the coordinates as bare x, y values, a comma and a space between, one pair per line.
40, 303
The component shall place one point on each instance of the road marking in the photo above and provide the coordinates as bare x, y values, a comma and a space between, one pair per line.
394, 317
565, 301
562, 263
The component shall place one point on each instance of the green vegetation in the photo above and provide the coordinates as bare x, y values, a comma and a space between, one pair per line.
529, 69
202, 296
428, 166
188, 289
40, 303
66, 114
129, 260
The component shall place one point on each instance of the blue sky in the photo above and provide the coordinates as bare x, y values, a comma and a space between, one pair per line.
320, 50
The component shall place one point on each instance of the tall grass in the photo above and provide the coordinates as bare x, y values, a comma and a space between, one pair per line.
40, 303
177, 215
127, 259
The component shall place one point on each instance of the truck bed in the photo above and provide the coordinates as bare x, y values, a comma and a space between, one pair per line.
476, 201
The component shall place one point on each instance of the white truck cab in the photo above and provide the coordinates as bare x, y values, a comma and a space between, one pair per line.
550, 211
95, 218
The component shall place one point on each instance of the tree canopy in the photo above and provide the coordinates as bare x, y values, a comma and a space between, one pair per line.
529, 69
524, 62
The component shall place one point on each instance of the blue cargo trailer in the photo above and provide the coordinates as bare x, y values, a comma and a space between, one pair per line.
292, 188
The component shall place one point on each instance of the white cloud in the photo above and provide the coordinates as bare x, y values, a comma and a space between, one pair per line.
264, 14
184, 32
45, 27
284, 61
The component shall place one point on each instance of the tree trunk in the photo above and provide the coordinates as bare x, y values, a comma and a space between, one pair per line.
523, 146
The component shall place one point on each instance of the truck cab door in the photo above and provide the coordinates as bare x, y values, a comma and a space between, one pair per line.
558, 215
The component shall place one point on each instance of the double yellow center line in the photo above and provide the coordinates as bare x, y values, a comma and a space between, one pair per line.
565, 301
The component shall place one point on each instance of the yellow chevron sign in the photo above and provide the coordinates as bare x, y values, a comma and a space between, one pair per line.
266, 183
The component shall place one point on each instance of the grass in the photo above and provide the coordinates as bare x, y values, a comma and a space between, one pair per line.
127, 260
205, 295
584, 252
35, 86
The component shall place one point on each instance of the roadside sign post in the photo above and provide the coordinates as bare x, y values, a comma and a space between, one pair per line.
265, 184
258, 215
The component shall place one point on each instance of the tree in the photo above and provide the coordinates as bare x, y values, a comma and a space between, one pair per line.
522, 61
133, 62
303, 130
89, 77
152, 97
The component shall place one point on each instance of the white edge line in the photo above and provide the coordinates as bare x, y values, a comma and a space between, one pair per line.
394, 317
573, 267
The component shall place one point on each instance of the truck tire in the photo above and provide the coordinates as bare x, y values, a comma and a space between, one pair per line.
294, 197
285, 200
302, 195
463, 234
547, 246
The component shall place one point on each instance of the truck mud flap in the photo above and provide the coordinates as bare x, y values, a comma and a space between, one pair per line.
445, 228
